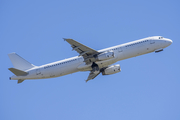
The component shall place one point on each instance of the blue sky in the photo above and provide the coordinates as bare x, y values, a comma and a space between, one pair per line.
146, 88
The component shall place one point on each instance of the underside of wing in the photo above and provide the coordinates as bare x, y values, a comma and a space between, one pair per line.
89, 55
83, 50
92, 75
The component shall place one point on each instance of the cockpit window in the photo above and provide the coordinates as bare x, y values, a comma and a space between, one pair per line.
161, 37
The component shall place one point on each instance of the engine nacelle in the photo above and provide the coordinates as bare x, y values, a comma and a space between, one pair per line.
105, 56
112, 70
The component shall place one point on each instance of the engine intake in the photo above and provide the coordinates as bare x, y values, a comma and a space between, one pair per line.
111, 70
105, 56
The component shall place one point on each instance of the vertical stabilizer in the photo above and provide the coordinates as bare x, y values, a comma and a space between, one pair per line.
19, 63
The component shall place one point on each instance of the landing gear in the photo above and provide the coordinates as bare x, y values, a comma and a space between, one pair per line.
94, 72
95, 67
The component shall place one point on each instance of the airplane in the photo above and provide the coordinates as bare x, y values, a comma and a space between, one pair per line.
88, 59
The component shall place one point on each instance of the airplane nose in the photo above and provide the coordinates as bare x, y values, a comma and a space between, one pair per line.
169, 41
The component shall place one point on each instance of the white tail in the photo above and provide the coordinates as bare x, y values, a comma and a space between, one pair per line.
20, 63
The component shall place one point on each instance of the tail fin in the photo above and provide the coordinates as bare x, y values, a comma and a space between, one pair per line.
18, 73
19, 63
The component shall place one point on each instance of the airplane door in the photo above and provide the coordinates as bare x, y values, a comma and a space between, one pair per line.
38, 72
120, 53
120, 49
152, 41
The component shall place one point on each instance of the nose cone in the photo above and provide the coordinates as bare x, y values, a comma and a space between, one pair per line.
168, 42
171, 41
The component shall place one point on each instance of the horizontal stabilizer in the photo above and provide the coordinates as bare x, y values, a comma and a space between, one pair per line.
20, 81
18, 72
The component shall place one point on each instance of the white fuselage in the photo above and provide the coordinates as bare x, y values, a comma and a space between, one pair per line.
75, 64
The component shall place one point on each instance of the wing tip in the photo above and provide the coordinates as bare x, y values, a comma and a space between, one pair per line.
64, 39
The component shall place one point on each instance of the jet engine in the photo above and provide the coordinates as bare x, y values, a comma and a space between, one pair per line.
111, 70
106, 55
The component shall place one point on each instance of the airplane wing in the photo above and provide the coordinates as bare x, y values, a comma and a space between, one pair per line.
83, 50
92, 75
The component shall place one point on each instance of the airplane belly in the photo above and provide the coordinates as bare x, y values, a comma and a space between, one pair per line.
129, 52
136, 51
142, 50
66, 70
